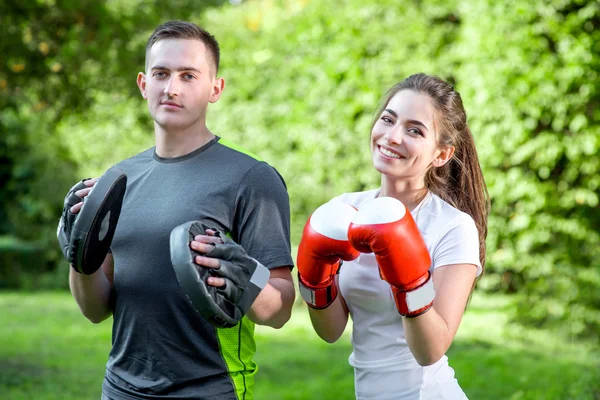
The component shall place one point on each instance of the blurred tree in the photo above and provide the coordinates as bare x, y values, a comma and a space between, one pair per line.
302, 83
57, 54
530, 73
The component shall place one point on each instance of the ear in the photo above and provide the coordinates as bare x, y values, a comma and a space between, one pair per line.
141, 82
218, 87
443, 156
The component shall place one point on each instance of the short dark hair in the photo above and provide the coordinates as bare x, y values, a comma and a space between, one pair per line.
185, 30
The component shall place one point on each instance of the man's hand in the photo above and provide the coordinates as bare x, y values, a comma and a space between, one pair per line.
89, 220
204, 244
219, 278
72, 205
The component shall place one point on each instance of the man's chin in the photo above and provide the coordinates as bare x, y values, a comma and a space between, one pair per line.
172, 124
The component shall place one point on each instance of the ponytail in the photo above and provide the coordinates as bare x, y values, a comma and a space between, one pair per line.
460, 181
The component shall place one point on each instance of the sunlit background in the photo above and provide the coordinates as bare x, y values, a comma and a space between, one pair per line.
303, 80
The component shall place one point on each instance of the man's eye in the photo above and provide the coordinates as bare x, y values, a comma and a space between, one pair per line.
160, 74
189, 77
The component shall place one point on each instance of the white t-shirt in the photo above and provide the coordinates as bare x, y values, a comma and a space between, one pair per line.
384, 367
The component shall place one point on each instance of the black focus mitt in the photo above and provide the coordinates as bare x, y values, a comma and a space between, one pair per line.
85, 237
245, 277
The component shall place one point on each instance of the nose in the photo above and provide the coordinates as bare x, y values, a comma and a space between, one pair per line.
394, 135
171, 89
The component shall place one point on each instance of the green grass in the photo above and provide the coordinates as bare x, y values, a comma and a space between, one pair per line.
48, 350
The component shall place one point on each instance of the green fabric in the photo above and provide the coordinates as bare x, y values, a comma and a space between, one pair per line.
233, 146
237, 347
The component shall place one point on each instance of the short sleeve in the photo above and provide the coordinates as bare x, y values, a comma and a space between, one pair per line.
458, 245
262, 216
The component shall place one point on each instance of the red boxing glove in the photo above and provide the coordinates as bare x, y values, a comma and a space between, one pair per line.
323, 245
385, 227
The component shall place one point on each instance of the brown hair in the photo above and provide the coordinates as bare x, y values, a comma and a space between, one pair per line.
460, 181
185, 30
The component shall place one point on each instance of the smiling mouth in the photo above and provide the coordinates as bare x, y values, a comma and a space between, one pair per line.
389, 153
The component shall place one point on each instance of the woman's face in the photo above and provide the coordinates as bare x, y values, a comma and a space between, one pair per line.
404, 139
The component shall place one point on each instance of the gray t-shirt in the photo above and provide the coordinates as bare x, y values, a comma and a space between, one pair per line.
162, 348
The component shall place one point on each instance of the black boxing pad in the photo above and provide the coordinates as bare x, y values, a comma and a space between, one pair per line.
245, 277
95, 224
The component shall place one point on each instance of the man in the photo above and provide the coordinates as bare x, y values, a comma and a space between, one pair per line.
163, 348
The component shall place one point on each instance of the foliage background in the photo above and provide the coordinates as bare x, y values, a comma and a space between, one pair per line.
303, 79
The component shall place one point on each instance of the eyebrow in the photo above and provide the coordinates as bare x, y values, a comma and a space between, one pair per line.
410, 121
178, 69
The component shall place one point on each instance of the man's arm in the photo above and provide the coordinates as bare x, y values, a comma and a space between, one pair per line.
92, 292
273, 306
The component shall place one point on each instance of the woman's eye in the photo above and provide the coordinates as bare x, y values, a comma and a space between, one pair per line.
415, 131
387, 120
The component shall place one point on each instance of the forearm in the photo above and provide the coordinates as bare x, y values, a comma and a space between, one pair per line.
428, 336
92, 294
273, 306
330, 322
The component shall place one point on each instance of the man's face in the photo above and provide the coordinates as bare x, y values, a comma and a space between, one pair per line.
179, 83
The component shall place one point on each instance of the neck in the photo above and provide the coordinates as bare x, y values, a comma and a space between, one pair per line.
174, 143
409, 193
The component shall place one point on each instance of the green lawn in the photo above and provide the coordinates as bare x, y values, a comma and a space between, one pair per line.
49, 351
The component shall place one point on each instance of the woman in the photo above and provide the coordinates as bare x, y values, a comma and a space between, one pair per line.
413, 250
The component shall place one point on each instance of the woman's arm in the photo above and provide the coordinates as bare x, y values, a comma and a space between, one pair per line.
329, 323
430, 335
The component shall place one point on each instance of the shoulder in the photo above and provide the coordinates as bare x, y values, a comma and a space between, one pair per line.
231, 152
450, 234
438, 215
263, 177
356, 199
251, 171
240, 164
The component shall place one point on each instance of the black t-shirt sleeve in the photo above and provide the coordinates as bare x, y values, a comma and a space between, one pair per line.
262, 216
